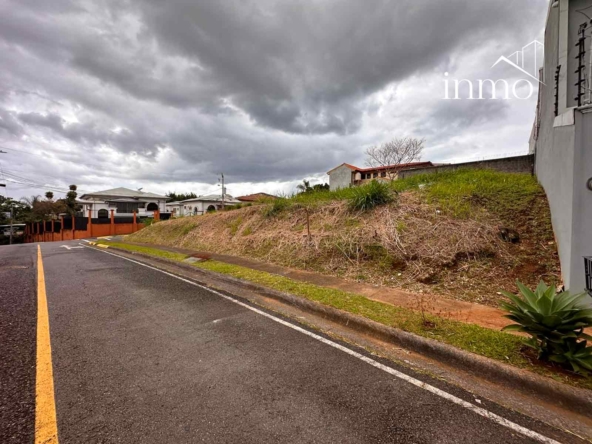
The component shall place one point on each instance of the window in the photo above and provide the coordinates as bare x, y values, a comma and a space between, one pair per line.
103, 214
375, 174
126, 207
383, 174
152, 207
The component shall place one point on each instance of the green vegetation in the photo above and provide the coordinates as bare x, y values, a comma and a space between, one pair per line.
458, 193
178, 197
146, 250
233, 207
555, 322
235, 224
490, 343
276, 206
369, 196
147, 221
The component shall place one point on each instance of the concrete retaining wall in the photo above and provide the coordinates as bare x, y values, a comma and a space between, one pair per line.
517, 164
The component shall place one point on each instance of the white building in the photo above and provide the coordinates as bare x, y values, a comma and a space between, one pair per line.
200, 205
123, 202
562, 135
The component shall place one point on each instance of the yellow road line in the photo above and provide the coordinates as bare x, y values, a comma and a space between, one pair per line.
46, 429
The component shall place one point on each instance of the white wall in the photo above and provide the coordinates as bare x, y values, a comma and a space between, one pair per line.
563, 149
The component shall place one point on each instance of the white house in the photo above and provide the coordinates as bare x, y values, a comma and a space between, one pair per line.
201, 204
123, 201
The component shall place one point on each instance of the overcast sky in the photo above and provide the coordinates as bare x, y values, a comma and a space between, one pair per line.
166, 95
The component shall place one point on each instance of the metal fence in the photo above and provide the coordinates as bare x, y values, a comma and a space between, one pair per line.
588, 268
81, 223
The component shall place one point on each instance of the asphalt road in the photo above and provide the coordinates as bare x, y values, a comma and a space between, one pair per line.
143, 357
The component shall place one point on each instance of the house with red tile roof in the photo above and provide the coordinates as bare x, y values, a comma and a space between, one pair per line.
346, 175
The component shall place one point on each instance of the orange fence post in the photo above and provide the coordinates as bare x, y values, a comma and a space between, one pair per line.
62, 227
112, 230
89, 225
135, 224
52, 229
157, 214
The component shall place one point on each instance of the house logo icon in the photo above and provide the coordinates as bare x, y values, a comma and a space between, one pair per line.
525, 60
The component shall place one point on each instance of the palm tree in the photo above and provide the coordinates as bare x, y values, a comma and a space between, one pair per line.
304, 187
30, 201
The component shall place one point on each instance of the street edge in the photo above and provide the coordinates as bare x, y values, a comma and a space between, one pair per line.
574, 399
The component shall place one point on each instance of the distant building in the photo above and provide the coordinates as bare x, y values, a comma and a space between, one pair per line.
346, 175
123, 202
255, 197
201, 204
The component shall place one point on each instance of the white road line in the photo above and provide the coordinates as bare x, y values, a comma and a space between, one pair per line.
84, 240
478, 410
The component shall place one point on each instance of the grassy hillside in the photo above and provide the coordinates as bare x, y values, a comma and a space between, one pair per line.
439, 234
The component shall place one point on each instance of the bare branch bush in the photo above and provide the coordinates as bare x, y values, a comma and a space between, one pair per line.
395, 152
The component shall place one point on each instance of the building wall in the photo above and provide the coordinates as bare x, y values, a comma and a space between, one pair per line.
517, 164
582, 200
340, 177
563, 147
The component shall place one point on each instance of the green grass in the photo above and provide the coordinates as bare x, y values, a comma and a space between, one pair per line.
489, 343
146, 250
235, 224
458, 193
370, 196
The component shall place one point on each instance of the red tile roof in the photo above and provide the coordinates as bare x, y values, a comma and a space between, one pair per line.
255, 197
402, 166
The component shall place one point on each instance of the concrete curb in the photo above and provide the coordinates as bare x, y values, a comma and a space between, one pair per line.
571, 398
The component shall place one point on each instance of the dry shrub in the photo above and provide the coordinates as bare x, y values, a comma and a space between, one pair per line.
409, 244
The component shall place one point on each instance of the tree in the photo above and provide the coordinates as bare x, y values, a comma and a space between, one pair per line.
304, 187
49, 195
321, 187
174, 197
30, 201
20, 210
394, 153
71, 205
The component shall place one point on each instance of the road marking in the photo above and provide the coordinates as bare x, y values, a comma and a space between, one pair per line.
84, 240
416, 382
46, 429
69, 247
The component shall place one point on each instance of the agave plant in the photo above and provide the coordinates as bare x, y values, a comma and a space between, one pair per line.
576, 354
555, 322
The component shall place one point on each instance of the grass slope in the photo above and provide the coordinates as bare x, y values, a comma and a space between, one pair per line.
439, 234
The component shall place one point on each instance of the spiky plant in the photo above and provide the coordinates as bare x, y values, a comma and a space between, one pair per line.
555, 322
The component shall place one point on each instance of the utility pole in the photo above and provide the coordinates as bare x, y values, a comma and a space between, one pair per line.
4, 185
11, 217
223, 188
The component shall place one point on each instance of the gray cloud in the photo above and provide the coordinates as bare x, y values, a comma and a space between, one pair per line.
266, 91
